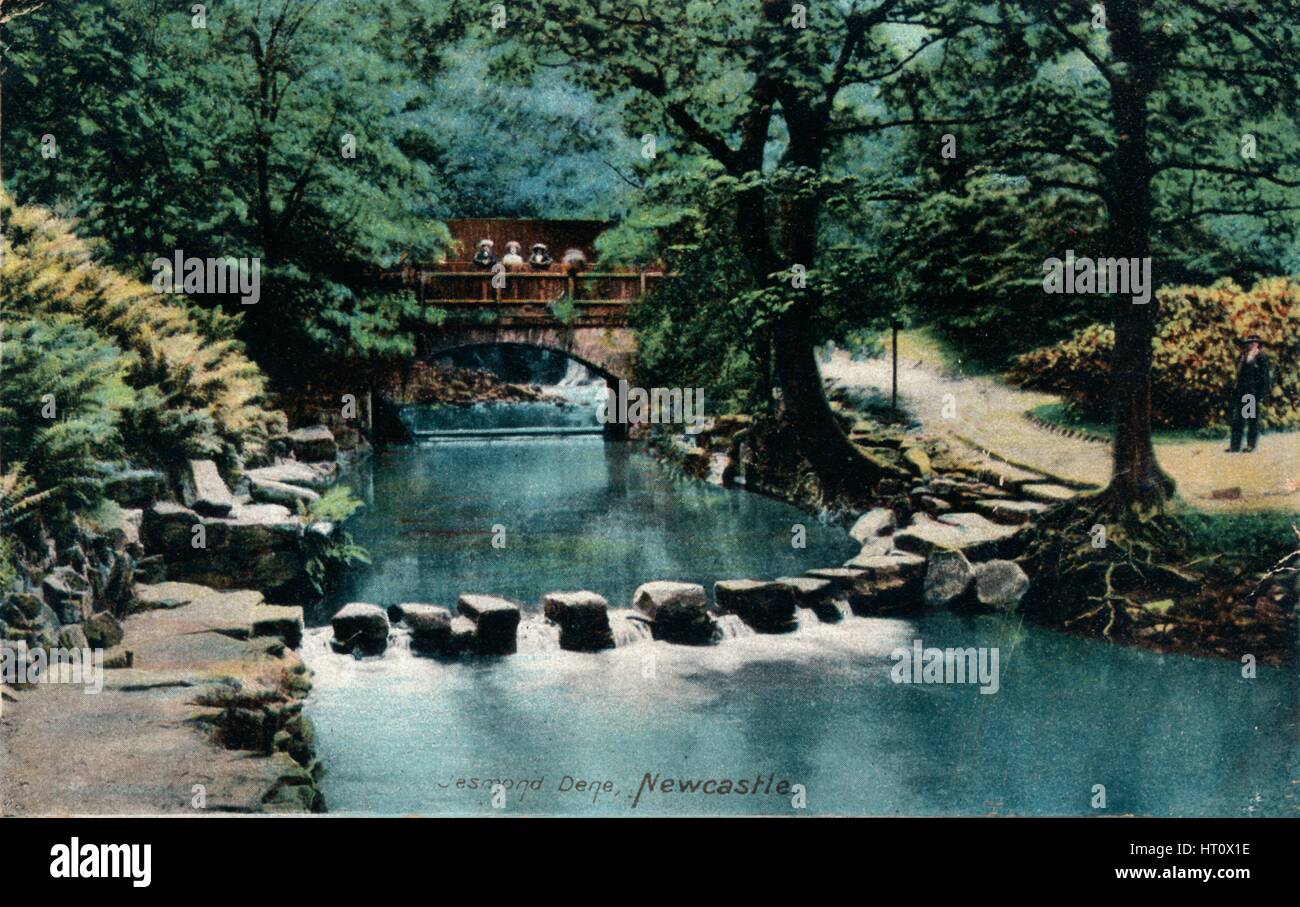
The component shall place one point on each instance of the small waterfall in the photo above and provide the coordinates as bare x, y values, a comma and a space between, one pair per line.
627, 630
537, 635
731, 626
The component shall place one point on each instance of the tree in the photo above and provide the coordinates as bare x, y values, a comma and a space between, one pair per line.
1168, 114
765, 92
270, 129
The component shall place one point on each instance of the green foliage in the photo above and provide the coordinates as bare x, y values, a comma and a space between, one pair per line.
1262, 536
185, 388
334, 506
1195, 356
57, 410
228, 140
328, 557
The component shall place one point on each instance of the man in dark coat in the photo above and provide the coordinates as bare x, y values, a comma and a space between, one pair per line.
1253, 384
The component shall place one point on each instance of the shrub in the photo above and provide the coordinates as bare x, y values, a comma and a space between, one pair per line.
1195, 355
195, 367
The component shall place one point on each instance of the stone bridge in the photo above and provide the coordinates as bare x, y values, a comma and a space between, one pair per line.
580, 315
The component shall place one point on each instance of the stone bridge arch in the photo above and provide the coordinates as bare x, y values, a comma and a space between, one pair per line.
608, 351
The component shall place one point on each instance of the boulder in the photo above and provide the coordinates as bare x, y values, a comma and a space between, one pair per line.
766, 606
583, 618
361, 627
258, 545
272, 492
496, 623
313, 444
103, 631
430, 627
970, 533
135, 487
1000, 584
818, 595
68, 594
932, 505
873, 523
948, 578
203, 489
678, 612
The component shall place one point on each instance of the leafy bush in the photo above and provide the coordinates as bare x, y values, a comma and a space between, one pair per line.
207, 394
1196, 351
58, 411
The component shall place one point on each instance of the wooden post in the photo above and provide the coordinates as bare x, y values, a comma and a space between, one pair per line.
893, 393
893, 401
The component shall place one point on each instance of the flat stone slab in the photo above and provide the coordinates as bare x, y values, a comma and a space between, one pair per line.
1010, 511
272, 492
840, 578
976, 536
316, 476
903, 564
204, 490
1048, 492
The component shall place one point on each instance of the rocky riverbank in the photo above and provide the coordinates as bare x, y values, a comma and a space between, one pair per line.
159, 599
974, 524
200, 711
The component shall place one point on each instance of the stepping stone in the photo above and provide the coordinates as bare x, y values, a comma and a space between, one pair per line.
496, 623
1048, 492
679, 612
360, 626
977, 537
583, 618
818, 595
767, 607
1013, 512
947, 578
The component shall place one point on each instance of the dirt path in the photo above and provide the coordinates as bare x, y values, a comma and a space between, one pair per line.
988, 415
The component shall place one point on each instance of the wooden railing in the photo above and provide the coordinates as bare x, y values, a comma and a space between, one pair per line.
474, 287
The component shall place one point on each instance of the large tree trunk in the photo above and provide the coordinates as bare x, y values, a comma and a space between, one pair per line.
840, 465
1136, 478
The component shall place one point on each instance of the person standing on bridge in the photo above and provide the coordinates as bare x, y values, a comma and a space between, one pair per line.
1253, 384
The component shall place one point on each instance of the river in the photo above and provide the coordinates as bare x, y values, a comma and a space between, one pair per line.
598, 734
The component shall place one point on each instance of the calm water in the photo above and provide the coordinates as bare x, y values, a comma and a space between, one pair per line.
402, 734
